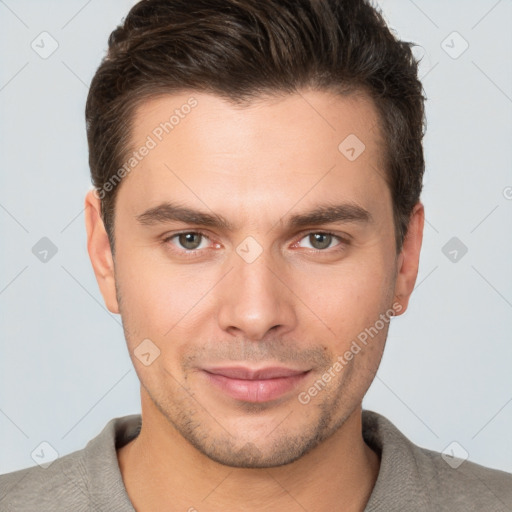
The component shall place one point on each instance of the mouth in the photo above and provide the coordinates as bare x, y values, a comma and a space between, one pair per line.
255, 385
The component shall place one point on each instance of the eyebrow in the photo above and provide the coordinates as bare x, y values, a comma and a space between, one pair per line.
323, 214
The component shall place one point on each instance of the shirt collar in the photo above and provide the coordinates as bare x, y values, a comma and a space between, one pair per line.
398, 486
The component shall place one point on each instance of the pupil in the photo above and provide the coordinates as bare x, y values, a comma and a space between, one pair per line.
321, 240
186, 240
318, 238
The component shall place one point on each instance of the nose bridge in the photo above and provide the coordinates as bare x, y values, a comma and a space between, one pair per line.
254, 300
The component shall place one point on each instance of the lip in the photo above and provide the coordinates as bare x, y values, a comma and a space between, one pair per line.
254, 385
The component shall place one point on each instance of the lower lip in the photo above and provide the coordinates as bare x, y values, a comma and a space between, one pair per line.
256, 391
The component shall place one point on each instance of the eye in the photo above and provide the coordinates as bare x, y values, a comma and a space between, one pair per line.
189, 243
190, 240
321, 240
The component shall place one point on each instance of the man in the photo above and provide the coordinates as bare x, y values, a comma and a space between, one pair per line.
257, 167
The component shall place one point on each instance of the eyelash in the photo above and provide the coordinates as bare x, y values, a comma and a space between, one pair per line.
194, 253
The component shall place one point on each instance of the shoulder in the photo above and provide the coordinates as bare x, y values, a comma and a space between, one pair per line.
55, 487
414, 476
462, 483
84, 480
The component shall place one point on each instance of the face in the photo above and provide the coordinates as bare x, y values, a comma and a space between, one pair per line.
255, 255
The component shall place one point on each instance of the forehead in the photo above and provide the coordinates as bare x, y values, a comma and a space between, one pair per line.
204, 149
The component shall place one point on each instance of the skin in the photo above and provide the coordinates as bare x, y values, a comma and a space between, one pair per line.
296, 305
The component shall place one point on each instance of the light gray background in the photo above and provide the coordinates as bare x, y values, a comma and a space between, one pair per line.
446, 373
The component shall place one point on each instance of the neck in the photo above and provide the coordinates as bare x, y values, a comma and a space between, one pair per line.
162, 471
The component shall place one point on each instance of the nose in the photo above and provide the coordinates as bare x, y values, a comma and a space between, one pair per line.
255, 298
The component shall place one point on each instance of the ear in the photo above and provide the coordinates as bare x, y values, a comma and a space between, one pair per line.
409, 258
100, 253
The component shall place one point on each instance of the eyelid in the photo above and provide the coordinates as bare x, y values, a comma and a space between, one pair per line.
342, 238
324, 231
167, 238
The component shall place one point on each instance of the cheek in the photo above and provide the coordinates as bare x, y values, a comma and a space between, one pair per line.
161, 301
164, 301
152, 296
347, 298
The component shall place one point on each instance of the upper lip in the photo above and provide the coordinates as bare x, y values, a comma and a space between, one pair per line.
242, 372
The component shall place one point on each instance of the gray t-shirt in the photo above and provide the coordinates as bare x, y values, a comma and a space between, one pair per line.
410, 478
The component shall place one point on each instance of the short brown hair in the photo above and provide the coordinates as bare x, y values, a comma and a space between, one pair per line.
244, 49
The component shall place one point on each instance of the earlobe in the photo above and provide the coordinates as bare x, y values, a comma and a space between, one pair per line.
98, 247
408, 259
